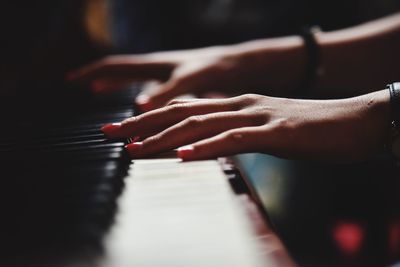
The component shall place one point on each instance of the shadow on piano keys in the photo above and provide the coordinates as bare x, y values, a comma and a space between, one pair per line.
61, 178
65, 200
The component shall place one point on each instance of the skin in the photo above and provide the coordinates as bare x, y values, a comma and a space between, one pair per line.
277, 65
197, 71
349, 129
354, 61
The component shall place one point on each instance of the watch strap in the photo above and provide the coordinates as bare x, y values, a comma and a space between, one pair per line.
394, 141
394, 89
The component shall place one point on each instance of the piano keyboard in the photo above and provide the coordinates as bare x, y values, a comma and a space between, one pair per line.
61, 179
71, 197
183, 214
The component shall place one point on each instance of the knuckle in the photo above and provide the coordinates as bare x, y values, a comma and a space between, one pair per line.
153, 139
251, 97
176, 109
174, 102
284, 125
247, 100
129, 121
235, 137
194, 121
285, 129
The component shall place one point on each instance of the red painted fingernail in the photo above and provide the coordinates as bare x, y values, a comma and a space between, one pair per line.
185, 152
144, 103
70, 76
111, 129
98, 86
134, 147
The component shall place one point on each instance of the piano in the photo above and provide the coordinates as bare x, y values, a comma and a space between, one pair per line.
70, 197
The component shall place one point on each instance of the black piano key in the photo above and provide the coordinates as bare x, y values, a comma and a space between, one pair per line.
63, 177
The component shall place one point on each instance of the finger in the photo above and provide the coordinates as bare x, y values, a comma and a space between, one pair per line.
171, 89
109, 85
179, 101
242, 140
145, 104
160, 119
175, 102
193, 129
214, 95
165, 92
138, 70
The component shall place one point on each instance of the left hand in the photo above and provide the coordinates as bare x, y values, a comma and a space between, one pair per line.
277, 64
340, 130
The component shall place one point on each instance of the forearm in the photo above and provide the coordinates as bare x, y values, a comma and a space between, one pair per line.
360, 58
276, 64
353, 60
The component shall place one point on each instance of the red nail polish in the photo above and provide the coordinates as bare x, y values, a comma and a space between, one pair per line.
70, 76
111, 129
134, 147
98, 86
185, 152
144, 103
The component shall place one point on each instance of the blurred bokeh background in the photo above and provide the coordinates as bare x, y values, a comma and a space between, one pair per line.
326, 215
42, 40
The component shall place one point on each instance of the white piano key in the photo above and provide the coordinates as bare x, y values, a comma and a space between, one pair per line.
180, 214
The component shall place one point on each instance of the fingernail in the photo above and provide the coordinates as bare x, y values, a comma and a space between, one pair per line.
111, 129
134, 147
70, 76
144, 103
185, 152
98, 86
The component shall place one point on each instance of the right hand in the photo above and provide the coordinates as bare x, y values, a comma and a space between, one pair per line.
350, 129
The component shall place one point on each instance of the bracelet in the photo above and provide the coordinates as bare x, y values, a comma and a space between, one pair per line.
313, 59
394, 89
394, 141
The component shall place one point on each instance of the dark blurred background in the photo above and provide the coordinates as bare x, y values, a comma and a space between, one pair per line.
41, 40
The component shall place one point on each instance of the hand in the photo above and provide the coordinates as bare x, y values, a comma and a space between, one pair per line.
274, 63
348, 129
179, 72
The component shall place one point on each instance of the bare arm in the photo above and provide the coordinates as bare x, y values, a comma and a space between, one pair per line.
354, 60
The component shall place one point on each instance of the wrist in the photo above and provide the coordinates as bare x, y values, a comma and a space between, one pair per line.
377, 119
314, 66
277, 64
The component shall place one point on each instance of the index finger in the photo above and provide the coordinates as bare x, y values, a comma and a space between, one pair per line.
158, 120
136, 69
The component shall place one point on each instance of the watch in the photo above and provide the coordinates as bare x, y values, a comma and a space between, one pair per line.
394, 142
